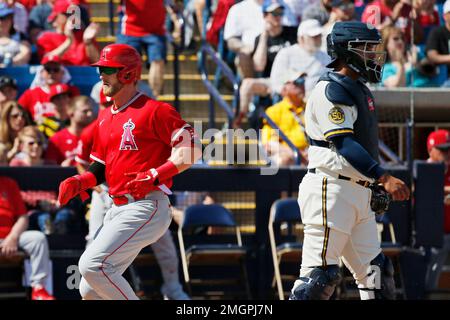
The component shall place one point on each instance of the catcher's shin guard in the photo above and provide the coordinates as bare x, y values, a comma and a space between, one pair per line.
379, 283
319, 285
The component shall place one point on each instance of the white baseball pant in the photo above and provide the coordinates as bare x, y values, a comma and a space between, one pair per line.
126, 230
339, 223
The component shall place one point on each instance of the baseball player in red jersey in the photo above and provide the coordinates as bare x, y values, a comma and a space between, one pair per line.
140, 145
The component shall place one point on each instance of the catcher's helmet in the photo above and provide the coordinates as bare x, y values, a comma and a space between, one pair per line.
354, 44
124, 57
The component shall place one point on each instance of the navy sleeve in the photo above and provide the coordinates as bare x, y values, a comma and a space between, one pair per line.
357, 156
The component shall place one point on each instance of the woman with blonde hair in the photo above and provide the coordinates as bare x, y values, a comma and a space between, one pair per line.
13, 119
31, 148
404, 68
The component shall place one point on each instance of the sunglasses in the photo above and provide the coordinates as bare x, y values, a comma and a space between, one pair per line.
31, 143
277, 13
346, 6
16, 115
107, 70
52, 69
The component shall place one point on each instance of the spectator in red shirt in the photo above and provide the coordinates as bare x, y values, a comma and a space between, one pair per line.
140, 30
36, 100
72, 44
438, 145
14, 235
62, 147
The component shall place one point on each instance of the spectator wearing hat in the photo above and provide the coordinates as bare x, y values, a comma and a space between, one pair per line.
320, 12
8, 89
59, 96
20, 15
437, 46
244, 23
13, 50
303, 57
74, 45
36, 100
62, 146
288, 116
438, 145
267, 45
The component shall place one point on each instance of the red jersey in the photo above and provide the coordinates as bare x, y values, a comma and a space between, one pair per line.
37, 102
375, 13
12, 205
447, 207
136, 137
76, 54
143, 17
61, 146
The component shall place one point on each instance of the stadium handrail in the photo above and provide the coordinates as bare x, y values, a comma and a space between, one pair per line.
297, 155
231, 111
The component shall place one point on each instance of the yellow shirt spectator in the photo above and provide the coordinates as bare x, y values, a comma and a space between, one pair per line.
289, 118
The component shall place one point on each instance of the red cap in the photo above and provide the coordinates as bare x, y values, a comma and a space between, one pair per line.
57, 89
50, 58
439, 139
60, 6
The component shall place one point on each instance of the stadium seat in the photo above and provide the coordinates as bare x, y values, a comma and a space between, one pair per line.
212, 250
284, 215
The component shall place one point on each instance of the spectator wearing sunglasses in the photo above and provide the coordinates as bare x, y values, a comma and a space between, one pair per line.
267, 45
72, 43
13, 50
13, 119
31, 148
36, 100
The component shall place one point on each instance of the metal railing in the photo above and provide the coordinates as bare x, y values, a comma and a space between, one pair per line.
297, 155
207, 51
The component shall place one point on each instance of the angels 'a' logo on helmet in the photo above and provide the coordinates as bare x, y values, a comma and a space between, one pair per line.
128, 142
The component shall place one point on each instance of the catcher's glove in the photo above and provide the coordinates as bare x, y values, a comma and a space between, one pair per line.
380, 199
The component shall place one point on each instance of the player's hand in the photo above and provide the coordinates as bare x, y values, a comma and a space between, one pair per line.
9, 246
68, 189
396, 187
142, 183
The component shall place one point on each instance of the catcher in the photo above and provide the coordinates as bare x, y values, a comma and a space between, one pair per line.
345, 185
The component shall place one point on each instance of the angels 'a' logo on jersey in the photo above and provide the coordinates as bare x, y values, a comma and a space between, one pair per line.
128, 142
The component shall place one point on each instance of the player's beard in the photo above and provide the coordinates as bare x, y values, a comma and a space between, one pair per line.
111, 89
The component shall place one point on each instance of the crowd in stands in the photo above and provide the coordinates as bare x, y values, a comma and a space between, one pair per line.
277, 47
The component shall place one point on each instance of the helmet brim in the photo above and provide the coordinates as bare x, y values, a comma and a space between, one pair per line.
110, 64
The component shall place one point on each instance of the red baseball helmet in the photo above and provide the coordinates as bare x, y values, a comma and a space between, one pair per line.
124, 57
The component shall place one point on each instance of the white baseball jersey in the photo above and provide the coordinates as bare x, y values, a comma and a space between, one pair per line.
323, 120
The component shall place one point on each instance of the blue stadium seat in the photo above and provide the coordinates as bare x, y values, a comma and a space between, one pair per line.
203, 252
84, 78
284, 212
23, 74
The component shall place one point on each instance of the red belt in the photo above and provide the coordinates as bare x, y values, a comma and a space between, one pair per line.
124, 199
